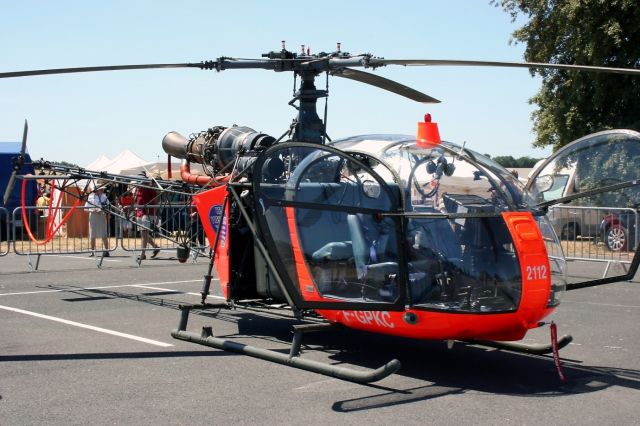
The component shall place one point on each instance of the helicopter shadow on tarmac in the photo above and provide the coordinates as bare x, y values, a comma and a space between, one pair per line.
463, 368
471, 368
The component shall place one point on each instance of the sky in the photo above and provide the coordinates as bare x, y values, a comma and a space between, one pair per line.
78, 117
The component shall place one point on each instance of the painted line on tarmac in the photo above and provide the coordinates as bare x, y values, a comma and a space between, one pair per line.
87, 326
95, 288
612, 305
178, 291
93, 259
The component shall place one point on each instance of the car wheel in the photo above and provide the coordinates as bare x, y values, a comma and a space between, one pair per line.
570, 231
616, 238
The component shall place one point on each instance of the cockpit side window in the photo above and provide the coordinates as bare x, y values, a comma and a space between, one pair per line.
324, 215
468, 264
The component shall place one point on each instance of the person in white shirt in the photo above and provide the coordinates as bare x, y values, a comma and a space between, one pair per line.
97, 201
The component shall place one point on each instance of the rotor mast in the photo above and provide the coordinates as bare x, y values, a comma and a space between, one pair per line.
307, 126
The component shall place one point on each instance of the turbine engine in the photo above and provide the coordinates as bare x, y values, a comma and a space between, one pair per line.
218, 147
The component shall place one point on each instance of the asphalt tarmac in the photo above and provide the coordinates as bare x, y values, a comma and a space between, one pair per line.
81, 345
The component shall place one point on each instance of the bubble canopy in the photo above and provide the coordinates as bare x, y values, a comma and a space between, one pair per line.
594, 161
449, 167
376, 220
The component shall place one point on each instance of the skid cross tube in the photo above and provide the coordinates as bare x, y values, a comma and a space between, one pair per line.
299, 330
343, 373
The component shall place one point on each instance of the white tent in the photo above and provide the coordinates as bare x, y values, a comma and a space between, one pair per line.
99, 163
125, 160
160, 169
153, 169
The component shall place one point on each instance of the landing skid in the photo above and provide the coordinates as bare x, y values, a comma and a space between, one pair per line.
535, 349
292, 359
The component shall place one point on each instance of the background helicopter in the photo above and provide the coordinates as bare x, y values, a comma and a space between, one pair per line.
273, 197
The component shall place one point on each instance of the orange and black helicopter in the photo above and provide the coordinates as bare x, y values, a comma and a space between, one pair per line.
405, 235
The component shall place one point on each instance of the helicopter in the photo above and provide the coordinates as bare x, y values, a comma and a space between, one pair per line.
405, 235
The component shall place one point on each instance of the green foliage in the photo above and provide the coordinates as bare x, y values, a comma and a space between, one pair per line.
522, 162
584, 32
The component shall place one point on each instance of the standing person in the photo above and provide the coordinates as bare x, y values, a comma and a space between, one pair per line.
43, 202
197, 232
43, 212
97, 201
125, 203
146, 216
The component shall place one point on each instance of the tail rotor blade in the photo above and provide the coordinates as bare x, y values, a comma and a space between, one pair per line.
23, 148
10, 185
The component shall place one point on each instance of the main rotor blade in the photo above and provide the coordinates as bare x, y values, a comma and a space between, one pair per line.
386, 84
449, 62
94, 69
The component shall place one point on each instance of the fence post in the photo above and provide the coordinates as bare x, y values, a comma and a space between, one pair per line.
5, 236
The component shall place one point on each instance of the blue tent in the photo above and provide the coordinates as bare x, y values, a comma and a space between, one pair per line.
8, 151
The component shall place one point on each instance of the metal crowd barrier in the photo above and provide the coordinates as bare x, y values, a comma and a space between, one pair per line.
601, 234
168, 227
5, 237
72, 237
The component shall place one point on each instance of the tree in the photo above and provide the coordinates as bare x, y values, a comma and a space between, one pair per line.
522, 162
584, 32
